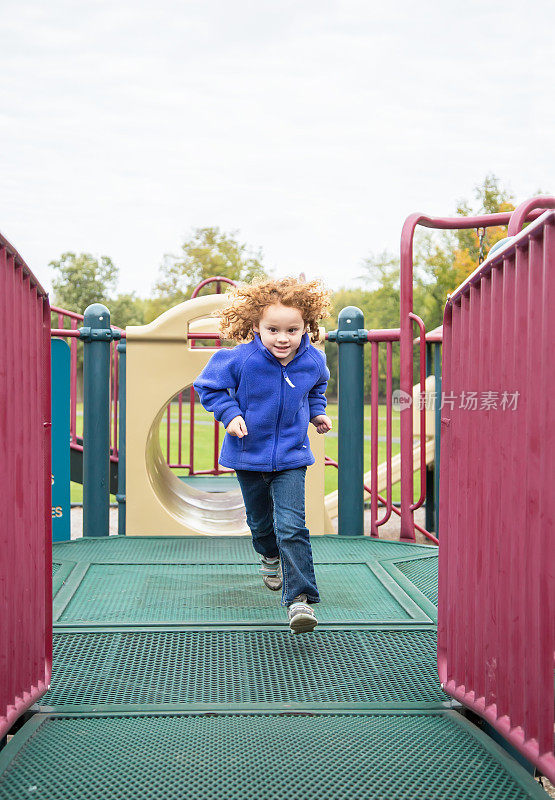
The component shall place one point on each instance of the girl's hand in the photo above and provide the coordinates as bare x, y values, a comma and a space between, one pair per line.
237, 427
322, 423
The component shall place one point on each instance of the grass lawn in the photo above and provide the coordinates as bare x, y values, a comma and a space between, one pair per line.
204, 442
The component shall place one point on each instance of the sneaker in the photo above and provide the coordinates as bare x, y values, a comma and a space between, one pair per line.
271, 572
301, 616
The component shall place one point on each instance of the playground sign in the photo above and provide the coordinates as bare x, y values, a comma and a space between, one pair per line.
61, 507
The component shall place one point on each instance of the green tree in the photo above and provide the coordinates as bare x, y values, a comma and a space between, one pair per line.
444, 261
127, 309
152, 307
79, 281
441, 262
379, 304
381, 310
83, 279
209, 252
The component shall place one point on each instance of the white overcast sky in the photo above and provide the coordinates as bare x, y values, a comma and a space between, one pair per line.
311, 127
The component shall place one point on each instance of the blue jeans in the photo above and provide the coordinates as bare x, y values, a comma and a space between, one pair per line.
275, 515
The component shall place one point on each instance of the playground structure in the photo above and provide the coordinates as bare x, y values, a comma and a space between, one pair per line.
161, 361
161, 356
366, 674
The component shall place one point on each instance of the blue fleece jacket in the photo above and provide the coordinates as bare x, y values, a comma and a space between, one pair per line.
276, 402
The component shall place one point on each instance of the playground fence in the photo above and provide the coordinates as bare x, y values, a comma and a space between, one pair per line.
497, 562
25, 477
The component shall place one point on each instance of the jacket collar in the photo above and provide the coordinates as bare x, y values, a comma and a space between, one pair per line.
304, 345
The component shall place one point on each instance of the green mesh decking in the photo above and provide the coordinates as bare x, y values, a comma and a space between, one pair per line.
139, 594
60, 573
220, 549
194, 677
244, 666
422, 572
387, 756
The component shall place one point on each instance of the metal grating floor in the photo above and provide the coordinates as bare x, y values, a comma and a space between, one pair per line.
200, 691
219, 549
386, 756
139, 594
244, 666
422, 572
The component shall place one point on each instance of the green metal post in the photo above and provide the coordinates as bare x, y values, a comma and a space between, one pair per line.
437, 439
120, 497
350, 339
97, 335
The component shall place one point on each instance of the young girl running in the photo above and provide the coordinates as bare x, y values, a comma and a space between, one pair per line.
265, 392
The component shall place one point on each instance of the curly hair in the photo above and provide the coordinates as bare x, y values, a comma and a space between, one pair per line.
248, 301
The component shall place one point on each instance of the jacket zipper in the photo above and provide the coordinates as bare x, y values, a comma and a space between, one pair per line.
274, 463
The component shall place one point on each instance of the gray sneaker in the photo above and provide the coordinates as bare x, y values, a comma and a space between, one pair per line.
271, 572
301, 616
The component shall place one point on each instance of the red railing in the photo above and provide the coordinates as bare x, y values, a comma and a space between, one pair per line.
389, 507
375, 523
388, 336
406, 338
184, 404
68, 324
218, 280
26, 515
496, 638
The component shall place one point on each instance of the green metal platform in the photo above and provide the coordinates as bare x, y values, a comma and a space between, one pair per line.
175, 676
141, 594
223, 549
170, 667
384, 755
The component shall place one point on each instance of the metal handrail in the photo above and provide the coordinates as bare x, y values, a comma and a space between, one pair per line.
525, 211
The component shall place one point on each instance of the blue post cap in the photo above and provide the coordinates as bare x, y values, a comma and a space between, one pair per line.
96, 316
350, 318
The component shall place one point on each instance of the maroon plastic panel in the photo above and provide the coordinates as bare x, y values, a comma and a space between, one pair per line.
496, 609
25, 505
